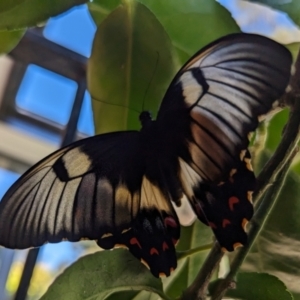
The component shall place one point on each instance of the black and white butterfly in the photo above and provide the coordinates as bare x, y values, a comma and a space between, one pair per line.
118, 188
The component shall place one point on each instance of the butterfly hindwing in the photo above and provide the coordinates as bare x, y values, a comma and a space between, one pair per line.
227, 207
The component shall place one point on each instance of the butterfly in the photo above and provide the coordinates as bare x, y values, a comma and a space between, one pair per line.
119, 188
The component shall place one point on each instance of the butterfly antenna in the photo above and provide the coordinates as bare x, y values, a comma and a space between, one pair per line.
151, 79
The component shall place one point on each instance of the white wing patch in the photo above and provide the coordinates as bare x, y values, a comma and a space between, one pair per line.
152, 197
127, 205
189, 178
76, 162
192, 90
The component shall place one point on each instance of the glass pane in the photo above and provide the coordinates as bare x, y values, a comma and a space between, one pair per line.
46, 94
7, 178
74, 30
86, 121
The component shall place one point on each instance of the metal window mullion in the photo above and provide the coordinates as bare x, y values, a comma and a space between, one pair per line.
69, 136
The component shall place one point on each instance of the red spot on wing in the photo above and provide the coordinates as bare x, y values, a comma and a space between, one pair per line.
153, 251
174, 241
212, 225
165, 246
231, 201
134, 241
225, 223
169, 221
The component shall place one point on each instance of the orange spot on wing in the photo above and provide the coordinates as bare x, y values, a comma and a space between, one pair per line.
165, 246
231, 201
225, 222
248, 164
237, 245
134, 241
249, 196
212, 225
244, 223
223, 249
161, 274
153, 251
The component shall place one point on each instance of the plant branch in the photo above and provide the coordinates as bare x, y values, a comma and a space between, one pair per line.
184, 254
198, 289
290, 137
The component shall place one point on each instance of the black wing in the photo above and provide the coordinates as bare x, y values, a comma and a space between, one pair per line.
93, 189
212, 105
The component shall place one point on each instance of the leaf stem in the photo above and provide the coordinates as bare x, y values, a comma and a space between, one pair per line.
259, 144
187, 253
198, 289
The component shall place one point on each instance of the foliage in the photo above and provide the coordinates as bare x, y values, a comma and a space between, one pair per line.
151, 39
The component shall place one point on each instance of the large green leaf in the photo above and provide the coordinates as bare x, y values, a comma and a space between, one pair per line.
100, 9
291, 7
16, 14
276, 250
130, 67
192, 24
9, 39
294, 48
257, 286
99, 275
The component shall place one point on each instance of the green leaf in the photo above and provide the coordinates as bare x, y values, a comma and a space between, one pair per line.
100, 9
267, 287
99, 275
16, 14
191, 237
130, 67
9, 39
275, 129
276, 250
192, 24
257, 286
291, 7
294, 48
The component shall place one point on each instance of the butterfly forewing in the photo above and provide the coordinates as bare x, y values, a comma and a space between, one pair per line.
221, 92
91, 190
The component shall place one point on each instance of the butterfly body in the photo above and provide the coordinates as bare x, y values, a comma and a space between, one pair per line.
119, 188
